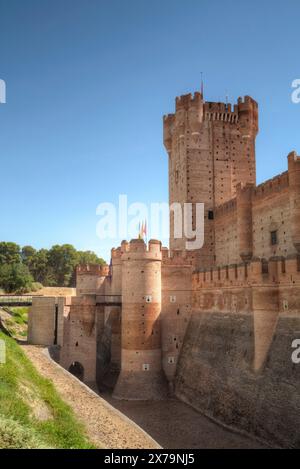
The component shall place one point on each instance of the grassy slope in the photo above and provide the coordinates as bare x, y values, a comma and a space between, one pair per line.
17, 324
22, 392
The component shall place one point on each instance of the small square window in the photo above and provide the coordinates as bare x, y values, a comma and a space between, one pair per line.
148, 298
172, 298
146, 367
274, 238
171, 360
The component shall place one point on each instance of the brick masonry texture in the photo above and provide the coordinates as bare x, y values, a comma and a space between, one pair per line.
214, 326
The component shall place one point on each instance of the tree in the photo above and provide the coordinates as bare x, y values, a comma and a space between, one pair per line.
9, 253
54, 267
39, 267
15, 278
62, 261
27, 253
88, 257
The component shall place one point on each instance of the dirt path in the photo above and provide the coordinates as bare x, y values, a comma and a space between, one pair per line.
105, 426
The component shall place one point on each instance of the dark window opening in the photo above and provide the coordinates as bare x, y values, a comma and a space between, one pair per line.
210, 214
274, 238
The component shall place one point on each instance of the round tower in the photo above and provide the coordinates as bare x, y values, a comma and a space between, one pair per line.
141, 376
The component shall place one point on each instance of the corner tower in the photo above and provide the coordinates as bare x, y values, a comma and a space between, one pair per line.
211, 149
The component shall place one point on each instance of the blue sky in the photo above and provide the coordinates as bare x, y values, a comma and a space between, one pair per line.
89, 81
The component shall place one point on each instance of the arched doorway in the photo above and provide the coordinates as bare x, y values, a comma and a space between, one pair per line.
77, 370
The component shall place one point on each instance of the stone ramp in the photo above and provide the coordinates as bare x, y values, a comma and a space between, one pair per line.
106, 426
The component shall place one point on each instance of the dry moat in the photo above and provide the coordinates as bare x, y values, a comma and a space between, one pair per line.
174, 424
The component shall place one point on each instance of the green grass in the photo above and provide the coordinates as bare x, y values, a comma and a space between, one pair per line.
20, 314
21, 389
17, 324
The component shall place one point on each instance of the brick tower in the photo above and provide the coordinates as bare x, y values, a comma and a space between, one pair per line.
141, 375
211, 148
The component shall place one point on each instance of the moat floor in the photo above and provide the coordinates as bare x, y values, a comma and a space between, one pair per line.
174, 424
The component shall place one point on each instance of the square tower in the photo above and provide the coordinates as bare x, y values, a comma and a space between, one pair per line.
211, 149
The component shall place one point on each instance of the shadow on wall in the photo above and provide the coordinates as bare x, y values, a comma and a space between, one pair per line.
215, 375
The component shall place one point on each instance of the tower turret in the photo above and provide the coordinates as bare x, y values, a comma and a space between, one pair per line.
141, 375
211, 148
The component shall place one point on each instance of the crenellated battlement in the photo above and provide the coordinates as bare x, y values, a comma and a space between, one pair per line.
227, 113
176, 257
188, 100
276, 184
275, 271
93, 269
116, 253
293, 157
138, 246
220, 112
246, 102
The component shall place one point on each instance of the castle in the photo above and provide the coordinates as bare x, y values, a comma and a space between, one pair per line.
214, 326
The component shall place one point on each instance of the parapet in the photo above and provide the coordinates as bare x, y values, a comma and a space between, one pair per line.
93, 269
188, 103
185, 101
275, 184
275, 271
176, 257
293, 159
220, 112
244, 112
246, 102
116, 253
137, 248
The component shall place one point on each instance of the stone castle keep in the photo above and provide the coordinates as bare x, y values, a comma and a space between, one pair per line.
214, 326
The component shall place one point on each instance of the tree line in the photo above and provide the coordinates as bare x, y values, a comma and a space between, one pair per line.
23, 269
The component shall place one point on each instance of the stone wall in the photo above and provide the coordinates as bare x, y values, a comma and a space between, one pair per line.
80, 336
215, 375
176, 307
235, 364
41, 321
243, 225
